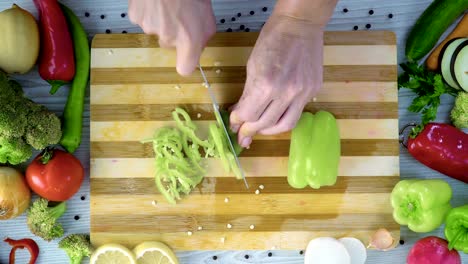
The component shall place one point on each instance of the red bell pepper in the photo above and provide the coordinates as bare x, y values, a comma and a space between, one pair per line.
27, 243
56, 59
441, 147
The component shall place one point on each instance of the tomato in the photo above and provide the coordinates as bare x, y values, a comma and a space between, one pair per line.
55, 175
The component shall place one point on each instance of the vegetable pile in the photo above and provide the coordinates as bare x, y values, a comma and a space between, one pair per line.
441, 147
431, 25
428, 86
54, 175
178, 161
24, 125
424, 205
451, 56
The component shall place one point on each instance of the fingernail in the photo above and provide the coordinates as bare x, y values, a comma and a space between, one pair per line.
235, 128
246, 142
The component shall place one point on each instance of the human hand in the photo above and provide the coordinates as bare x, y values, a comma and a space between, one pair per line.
284, 72
185, 25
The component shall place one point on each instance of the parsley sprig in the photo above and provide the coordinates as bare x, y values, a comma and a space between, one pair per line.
428, 87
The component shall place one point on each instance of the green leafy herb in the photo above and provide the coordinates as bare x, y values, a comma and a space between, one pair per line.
428, 86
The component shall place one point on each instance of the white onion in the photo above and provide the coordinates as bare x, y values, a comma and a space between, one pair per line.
326, 250
356, 249
14, 193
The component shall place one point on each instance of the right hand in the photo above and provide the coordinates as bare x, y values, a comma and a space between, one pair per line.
185, 25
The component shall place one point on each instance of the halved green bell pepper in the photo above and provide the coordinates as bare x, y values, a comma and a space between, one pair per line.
314, 152
421, 204
233, 136
456, 228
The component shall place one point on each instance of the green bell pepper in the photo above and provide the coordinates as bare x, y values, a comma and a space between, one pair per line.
456, 228
422, 205
233, 136
314, 152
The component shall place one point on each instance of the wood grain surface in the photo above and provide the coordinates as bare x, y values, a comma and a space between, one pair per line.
405, 14
134, 88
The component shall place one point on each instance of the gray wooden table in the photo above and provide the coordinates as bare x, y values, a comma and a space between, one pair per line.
98, 16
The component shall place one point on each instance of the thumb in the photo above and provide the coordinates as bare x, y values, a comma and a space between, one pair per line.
188, 57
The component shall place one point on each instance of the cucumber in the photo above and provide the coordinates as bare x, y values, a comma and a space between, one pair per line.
447, 62
431, 25
460, 67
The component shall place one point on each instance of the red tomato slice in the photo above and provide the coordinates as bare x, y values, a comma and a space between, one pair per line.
57, 180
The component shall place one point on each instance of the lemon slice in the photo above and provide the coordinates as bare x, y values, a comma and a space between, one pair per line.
153, 252
112, 254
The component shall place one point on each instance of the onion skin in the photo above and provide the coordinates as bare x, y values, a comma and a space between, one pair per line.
14, 193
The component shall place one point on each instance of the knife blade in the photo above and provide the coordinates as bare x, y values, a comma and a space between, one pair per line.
220, 120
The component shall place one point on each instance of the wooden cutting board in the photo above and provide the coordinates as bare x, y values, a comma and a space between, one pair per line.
134, 88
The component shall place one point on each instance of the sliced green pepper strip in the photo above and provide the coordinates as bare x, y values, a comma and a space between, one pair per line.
188, 127
192, 153
235, 169
175, 172
217, 138
456, 228
162, 189
178, 158
422, 205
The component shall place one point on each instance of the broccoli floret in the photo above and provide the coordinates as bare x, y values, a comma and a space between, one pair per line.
459, 112
77, 246
43, 129
42, 219
15, 87
23, 124
12, 120
14, 149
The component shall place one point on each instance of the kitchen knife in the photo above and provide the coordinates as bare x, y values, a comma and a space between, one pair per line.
221, 123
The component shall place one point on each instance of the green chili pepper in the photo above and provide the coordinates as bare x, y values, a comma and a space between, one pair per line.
73, 113
422, 205
314, 153
456, 228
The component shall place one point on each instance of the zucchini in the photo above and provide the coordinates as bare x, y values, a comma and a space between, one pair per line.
460, 67
446, 63
431, 25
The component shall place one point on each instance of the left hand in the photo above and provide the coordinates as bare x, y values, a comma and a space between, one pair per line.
284, 73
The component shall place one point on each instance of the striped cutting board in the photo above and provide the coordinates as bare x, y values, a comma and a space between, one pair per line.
134, 88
